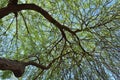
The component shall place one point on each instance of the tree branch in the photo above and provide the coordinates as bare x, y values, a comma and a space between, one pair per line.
18, 67
13, 65
15, 8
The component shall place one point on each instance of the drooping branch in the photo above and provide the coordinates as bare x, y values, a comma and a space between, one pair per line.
15, 8
19, 7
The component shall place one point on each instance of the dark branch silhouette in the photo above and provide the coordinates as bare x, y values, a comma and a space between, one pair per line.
15, 8
18, 67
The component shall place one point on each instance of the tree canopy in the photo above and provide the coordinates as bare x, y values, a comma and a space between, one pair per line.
60, 40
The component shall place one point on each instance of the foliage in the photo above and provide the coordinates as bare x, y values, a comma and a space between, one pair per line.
92, 55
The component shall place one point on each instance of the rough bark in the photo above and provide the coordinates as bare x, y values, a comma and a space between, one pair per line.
15, 66
18, 67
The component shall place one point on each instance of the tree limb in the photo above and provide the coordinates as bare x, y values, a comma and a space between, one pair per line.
18, 67
15, 8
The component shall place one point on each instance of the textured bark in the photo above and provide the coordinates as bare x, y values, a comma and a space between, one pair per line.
15, 66
18, 67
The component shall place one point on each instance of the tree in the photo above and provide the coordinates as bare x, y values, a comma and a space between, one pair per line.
62, 39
